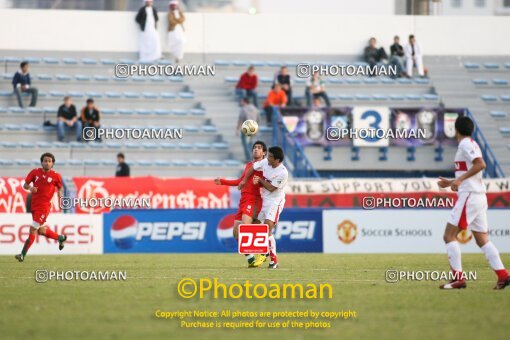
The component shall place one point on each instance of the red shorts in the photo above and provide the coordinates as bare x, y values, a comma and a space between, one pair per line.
40, 215
249, 205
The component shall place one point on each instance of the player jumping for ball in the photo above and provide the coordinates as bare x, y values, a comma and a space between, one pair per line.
251, 202
44, 180
470, 210
273, 181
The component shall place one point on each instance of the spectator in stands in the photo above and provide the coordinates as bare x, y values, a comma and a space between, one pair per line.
122, 168
175, 36
315, 89
283, 78
246, 86
150, 46
275, 98
248, 111
67, 116
91, 117
374, 55
397, 57
21, 83
414, 56
317, 104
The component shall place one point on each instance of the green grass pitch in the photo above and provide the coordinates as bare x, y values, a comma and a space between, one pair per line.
125, 309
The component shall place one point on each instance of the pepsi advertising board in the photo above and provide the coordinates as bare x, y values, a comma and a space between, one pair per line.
202, 231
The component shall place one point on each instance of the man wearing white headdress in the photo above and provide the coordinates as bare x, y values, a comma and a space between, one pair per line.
176, 37
150, 46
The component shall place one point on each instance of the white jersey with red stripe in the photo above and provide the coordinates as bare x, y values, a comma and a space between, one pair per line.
467, 152
276, 176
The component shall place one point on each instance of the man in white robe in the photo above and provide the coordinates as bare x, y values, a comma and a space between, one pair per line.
150, 46
175, 36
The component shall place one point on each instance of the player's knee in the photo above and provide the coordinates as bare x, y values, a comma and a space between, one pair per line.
41, 230
448, 237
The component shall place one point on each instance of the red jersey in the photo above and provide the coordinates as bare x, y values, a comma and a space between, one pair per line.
249, 188
45, 182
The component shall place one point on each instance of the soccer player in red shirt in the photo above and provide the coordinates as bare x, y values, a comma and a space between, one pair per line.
251, 202
44, 180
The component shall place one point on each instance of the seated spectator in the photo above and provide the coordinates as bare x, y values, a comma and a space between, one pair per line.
374, 55
275, 98
21, 83
397, 57
122, 169
246, 86
414, 56
67, 117
90, 117
283, 78
315, 89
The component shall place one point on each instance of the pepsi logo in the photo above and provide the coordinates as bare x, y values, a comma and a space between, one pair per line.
123, 231
225, 232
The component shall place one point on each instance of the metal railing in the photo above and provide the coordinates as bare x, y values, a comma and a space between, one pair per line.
493, 168
295, 158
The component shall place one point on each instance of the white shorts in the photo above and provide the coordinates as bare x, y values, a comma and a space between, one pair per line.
470, 211
271, 210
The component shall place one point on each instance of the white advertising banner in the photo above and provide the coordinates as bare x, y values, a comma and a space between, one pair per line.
403, 231
84, 234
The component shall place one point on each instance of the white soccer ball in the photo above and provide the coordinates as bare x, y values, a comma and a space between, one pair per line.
249, 127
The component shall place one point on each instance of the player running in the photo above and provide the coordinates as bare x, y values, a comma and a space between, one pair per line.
251, 202
470, 210
44, 181
273, 181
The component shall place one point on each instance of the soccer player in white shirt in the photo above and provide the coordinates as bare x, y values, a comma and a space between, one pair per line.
275, 176
470, 210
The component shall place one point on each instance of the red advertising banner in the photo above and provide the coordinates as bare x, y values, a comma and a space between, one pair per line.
163, 193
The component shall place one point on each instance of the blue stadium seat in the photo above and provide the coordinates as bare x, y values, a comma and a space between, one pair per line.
214, 163
168, 95
9, 145
94, 145
98, 77
60, 145
27, 145
266, 80
430, 96
176, 79
43, 145
371, 81
5, 93
94, 94
69, 61
507, 65
421, 81
59, 94
6, 162
118, 79
197, 112
31, 127
127, 61
471, 66
222, 62
13, 127
82, 77
353, 81
504, 130
111, 94
498, 114
77, 145
220, 146
49, 60
35, 110
3, 109
44, 77
138, 79
388, 81
131, 94
232, 162
203, 146
257, 63
107, 111
480, 81
497, 81
413, 97
17, 109
133, 146
197, 163
491, 66
157, 79
180, 112
178, 162
125, 111
209, 128
150, 146
361, 96
169, 146
240, 63
274, 63
331, 80
231, 80
89, 61
191, 128
75, 162
380, 97
150, 95
405, 81
265, 128
108, 162
111, 145
164, 62
91, 162
163, 112
186, 95
162, 162
143, 112
397, 97
108, 62
489, 98
185, 146
291, 63
505, 98
75, 94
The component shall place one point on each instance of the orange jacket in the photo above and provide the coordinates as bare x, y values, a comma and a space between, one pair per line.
276, 99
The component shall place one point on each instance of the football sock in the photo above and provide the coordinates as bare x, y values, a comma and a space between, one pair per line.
28, 244
492, 255
454, 257
272, 248
51, 234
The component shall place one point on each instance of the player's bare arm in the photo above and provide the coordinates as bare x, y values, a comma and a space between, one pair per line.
478, 165
247, 175
27, 187
264, 183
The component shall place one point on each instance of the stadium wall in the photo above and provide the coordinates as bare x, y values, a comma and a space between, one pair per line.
68, 30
